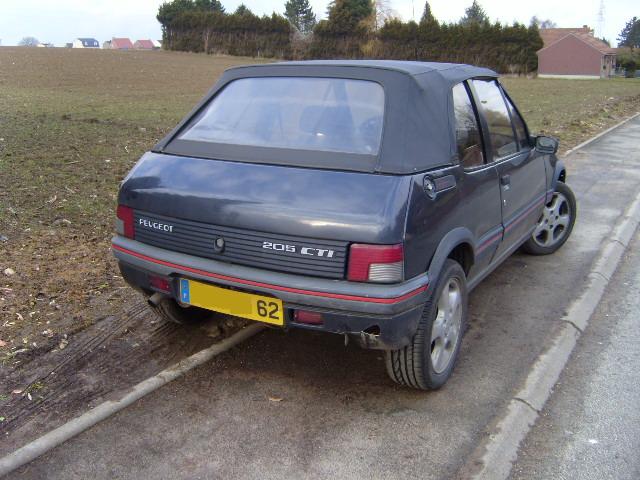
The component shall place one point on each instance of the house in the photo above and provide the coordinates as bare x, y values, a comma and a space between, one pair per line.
143, 45
121, 44
157, 44
574, 53
86, 43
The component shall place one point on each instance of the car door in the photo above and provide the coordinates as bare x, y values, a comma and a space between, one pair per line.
521, 172
478, 183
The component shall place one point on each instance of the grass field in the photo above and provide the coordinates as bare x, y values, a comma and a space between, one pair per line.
72, 123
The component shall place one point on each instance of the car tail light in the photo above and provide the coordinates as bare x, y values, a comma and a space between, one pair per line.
376, 263
124, 222
305, 316
160, 283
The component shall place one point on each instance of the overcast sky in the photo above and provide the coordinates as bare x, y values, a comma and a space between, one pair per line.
61, 21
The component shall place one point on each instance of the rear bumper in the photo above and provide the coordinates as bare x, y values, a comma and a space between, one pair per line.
357, 309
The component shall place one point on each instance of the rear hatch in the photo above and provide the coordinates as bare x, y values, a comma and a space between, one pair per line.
275, 173
287, 219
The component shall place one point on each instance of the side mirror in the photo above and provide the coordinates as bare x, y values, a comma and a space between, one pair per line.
547, 145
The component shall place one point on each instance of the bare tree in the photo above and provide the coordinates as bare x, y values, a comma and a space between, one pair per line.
548, 23
29, 42
384, 12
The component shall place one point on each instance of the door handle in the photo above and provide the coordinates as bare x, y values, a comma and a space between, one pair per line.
505, 180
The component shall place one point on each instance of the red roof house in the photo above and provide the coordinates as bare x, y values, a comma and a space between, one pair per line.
143, 45
575, 53
552, 35
121, 44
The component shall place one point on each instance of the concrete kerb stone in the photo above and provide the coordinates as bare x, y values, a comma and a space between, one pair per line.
502, 448
547, 369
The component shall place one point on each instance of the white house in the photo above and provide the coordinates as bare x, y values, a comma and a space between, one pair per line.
86, 43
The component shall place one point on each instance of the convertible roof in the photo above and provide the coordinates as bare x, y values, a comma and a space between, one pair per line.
444, 70
419, 129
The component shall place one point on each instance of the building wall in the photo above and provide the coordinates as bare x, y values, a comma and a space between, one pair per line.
570, 56
77, 44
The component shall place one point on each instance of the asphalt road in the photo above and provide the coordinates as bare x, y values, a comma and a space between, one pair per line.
590, 428
301, 405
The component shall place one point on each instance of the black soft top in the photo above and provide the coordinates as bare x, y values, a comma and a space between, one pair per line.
418, 133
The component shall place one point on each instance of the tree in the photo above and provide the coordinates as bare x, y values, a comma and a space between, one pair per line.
169, 10
474, 15
243, 10
542, 24
301, 15
346, 15
427, 15
209, 6
29, 42
630, 34
384, 13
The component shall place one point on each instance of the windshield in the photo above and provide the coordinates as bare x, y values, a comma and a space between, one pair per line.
305, 113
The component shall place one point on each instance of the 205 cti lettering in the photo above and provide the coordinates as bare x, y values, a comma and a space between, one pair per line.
361, 198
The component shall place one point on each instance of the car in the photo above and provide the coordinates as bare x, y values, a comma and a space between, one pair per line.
361, 198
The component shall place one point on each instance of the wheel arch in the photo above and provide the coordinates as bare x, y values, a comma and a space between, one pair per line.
458, 245
559, 174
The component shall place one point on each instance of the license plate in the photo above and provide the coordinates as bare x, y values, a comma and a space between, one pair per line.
232, 302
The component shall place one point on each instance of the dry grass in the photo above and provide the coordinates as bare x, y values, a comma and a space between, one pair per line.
574, 110
73, 122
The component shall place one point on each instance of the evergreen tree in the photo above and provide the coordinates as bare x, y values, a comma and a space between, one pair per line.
243, 10
427, 16
630, 34
209, 5
301, 15
169, 10
347, 15
475, 14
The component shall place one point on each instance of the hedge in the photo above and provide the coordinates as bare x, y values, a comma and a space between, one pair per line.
504, 48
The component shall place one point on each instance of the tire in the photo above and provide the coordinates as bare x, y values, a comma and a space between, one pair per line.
555, 224
170, 310
419, 365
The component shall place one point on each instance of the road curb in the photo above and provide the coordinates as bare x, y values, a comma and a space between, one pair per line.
493, 460
79, 424
600, 135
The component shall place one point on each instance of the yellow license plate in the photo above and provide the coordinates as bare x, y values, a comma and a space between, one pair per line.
232, 302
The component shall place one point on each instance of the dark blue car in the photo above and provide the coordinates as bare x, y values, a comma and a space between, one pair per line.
363, 198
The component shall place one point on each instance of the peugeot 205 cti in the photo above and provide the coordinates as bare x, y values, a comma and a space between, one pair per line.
363, 198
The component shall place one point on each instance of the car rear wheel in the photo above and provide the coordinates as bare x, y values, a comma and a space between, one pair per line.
555, 223
171, 311
428, 361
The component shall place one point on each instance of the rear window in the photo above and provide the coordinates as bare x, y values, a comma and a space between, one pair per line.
304, 113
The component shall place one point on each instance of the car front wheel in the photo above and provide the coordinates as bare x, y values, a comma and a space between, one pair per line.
428, 361
555, 223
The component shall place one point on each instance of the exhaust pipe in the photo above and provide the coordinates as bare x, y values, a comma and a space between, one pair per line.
155, 299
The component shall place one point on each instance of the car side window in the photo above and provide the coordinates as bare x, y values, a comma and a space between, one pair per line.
519, 125
495, 111
468, 139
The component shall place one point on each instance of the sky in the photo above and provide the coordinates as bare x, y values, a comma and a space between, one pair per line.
61, 21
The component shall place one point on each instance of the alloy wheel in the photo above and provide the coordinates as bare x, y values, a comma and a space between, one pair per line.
446, 326
554, 221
